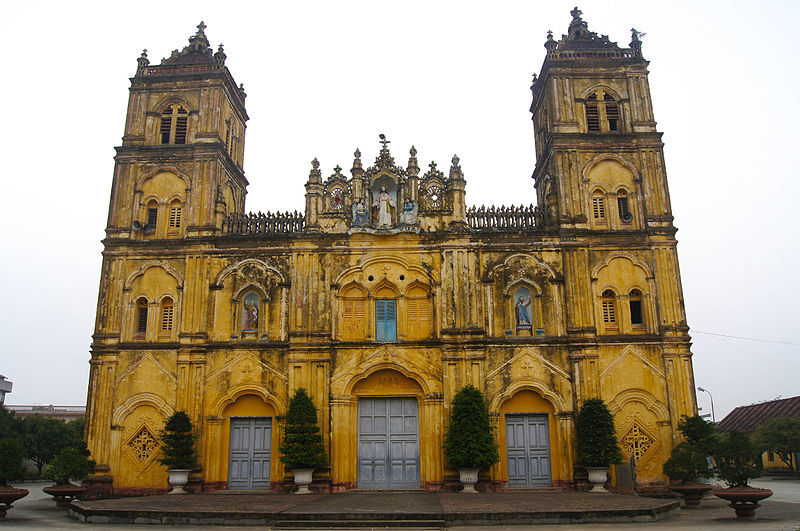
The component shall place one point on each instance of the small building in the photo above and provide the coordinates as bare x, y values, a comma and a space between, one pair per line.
65, 413
747, 418
5, 388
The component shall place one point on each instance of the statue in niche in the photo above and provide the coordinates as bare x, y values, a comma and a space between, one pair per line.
360, 214
250, 313
522, 307
384, 204
409, 214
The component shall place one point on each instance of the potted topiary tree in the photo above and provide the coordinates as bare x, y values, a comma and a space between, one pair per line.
71, 463
739, 460
177, 452
302, 449
688, 461
469, 444
11, 455
596, 441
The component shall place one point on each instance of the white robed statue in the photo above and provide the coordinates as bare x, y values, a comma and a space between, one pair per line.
385, 204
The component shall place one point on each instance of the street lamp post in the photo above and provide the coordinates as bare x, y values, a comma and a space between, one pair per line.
713, 417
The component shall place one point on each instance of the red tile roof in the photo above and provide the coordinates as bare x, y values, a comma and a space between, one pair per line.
748, 418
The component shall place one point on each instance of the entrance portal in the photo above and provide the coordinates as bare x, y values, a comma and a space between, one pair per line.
388, 443
528, 450
251, 439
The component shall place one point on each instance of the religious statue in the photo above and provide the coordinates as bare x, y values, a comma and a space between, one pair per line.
384, 204
250, 317
521, 307
409, 214
360, 214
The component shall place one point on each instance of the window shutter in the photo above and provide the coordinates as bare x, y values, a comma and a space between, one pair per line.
592, 114
181, 126
141, 325
167, 313
598, 207
612, 113
175, 217
385, 320
166, 125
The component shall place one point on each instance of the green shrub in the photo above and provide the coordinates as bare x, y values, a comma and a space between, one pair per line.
738, 459
177, 438
71, 463
11, 455
699, 433
469, 442
302, 445
687, 463
596, 436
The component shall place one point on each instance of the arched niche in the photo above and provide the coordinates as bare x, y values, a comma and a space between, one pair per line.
387, 382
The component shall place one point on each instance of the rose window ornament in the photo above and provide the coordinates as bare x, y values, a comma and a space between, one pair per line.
434, 197
337, 199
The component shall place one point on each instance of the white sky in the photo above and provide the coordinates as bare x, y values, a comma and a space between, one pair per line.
449, 77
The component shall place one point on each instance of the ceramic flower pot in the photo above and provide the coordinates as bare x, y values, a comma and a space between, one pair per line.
468, 478
302, 478
597, 477
744, 500
692, 493
178, 477
9, 495
64, 494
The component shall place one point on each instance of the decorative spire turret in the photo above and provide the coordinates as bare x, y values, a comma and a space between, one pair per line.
455, 168
356, 160
199, 42
578, 29
385, 161
142, 62
550, 43
315, 175
198, 50
636, 43
413, 164
219, 58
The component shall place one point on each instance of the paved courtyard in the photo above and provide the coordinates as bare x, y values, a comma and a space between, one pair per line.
780, 512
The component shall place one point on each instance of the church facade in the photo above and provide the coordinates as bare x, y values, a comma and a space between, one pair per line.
389, 293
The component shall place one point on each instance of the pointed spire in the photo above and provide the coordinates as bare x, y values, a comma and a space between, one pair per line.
455, 168
636, 43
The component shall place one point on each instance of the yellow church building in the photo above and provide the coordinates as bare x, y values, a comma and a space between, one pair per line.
389, 293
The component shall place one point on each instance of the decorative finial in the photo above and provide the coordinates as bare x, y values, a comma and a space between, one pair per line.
142, 62
219, 58
636, 43
576, 13
337, 169
314, 176
201, 28
432, 165
455, 165
356, 160
315, 163
144, 53
384, 142
413, 151
549, 35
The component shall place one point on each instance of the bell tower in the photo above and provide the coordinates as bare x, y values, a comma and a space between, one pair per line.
600, 161
179, 170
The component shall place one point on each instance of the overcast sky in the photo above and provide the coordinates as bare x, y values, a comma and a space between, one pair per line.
324, 78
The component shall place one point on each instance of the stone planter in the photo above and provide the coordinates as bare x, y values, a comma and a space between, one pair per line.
302, 478
468, 478
64, 494
744, 500
692, 493
597, 477
9, 495
178, 477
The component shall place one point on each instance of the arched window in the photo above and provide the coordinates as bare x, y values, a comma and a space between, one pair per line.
623, 208
418, 313
175, 216
141, 318
167, 315
174, 125
599, 206
609, 309
354, 302
592, 114
612, 112
151, 222
251, 308
636, 309
602, 112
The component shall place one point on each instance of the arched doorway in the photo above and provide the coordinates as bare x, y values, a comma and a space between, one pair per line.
388, 431
251, 437
527, 437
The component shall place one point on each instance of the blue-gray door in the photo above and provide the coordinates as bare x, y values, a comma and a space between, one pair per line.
528, 451
251, 438
388, 443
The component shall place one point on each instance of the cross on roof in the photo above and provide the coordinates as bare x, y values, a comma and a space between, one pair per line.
384, 141
201, 27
